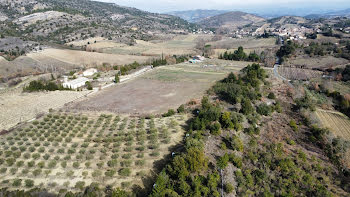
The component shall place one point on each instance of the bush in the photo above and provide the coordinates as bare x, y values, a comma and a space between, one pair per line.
76, 165
52, 164
170, 112
271, 95
80, 185
229, 188
264, 109
293, 125
17, 183
124, 172
29, 183
110, 173
181, 109
215, 128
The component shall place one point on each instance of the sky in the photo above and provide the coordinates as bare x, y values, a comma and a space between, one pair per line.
303, 7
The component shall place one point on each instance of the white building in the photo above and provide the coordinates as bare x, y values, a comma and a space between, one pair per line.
76, 83
89, 72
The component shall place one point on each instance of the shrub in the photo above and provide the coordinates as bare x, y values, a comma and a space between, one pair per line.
125, 172
170, 112
13, 171
126, 163
96, 173
76, 164
3, 170
237, 143
37, 172
155, 154
63, 164
293, 125
110, 173
29, 183
112, 163
19, 163
10, 161
52, 164
181, 109
17, 183
264, 109
229, 188
80, 185
46, 156
140, 162
271, 95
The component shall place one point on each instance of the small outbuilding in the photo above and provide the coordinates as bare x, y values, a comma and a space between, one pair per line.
76, 83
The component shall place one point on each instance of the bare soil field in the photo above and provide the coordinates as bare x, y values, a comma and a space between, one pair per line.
160, 89
316, 62
16, 107
247, 43
65, 151
180, 45
86, 58
25, 65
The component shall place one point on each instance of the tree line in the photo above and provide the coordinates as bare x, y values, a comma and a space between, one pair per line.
41, 85
240, 55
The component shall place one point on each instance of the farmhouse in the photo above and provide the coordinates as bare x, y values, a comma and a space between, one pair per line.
89, 72
76, 83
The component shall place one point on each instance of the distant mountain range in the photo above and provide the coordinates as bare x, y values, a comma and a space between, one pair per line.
341, 13
195, 16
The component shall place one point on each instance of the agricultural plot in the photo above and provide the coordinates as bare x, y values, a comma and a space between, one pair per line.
16, 107
336, 122
70, 151
86, 58
160, 89
180, 45
316, 62
298, 73
247, 43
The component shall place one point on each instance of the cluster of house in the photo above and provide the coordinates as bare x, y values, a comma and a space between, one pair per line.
297, 33
81, 79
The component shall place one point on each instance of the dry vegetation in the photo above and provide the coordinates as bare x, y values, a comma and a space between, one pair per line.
86, 58
316, 62
336, 122
298, 73
70, 151
179, 45
16, 107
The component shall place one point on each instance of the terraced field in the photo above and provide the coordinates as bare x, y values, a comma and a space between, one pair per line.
336, 122
298, 73
63, 151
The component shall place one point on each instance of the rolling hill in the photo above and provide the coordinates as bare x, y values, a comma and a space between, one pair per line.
194, 16
231, 20
62, 21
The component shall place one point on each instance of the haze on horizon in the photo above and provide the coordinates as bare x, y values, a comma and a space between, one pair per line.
281, 7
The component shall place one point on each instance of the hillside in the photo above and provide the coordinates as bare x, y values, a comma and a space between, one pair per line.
62, 21
194, 16
231, 20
